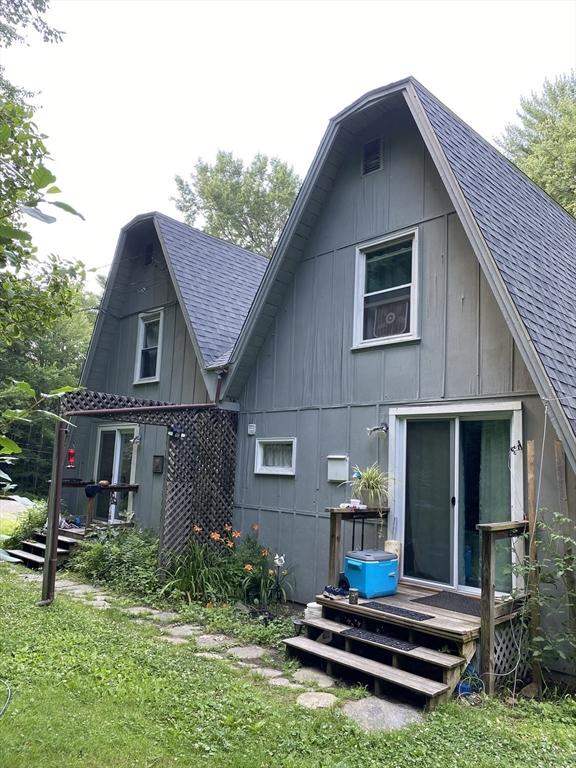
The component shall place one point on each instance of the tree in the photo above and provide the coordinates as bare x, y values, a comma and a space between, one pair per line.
246, 205
543, 145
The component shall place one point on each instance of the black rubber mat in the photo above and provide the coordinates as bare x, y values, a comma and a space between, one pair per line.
452, 601
374, 637
395, 611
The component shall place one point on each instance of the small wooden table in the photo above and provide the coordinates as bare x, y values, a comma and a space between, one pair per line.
337, 514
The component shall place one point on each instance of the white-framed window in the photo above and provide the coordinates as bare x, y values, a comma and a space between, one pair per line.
386, 290
149, 347
275, 456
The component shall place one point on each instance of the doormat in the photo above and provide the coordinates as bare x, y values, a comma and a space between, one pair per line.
395, 611
452, 601
374, 637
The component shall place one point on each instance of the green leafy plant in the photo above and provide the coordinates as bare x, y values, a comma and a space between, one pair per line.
372, 487
552, 580
199, 574
33, 519
125, 558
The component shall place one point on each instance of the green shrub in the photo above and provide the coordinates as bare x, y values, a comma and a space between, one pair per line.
125, 558
33, 519
199, 574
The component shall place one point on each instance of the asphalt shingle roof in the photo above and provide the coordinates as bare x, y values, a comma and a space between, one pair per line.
217, 282
532, 241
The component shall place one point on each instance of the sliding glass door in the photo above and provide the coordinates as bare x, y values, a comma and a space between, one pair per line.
455, 472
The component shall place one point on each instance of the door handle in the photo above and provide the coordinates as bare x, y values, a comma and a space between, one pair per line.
453, 501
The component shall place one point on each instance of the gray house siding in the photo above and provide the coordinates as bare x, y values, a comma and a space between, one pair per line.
138, 287
308, 384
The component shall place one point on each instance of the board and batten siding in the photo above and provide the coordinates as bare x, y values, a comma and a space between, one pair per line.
139, 287
308, 383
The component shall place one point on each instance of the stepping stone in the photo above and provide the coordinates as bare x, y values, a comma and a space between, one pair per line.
32, 577
137, 610
311, 675
164, 616
283, 682
78, 590
173, 640
65, 584
248, 652
267, 672
212, 641
100, 604
316, 700
208, 655
376, 714
182, 630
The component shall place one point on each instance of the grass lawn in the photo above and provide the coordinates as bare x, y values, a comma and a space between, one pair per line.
95, 689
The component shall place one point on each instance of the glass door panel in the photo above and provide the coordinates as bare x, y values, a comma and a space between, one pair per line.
105, 470
428, 510
484, 496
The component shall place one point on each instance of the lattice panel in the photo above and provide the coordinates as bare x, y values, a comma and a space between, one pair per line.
199, 480
510, 652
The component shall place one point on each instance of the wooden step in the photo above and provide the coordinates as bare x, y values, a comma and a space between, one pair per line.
67, 541
40, 545
442, 623
27, 556
443, 660
429, 688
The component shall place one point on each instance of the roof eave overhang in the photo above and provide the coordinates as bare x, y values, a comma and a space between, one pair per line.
505, 302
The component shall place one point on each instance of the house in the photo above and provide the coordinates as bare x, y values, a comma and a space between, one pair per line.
173, 306
421, 284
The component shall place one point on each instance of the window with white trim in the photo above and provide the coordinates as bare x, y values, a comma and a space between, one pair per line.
149, 349
275, 456
386, 307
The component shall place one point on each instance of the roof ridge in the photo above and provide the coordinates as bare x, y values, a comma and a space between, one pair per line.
201, 232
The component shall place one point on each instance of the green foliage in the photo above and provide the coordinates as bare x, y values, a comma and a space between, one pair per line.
47, 360
17, 15
246, 626
92, 688
199, 574
246, 205
543, 145
125, 558
552, 585
33, 519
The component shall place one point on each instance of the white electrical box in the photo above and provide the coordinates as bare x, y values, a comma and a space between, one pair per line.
338, 467
251, 429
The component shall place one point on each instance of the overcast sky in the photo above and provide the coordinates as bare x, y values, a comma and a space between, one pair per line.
139, 89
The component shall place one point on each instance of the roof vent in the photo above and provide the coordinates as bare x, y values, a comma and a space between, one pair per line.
372, 156
148, 253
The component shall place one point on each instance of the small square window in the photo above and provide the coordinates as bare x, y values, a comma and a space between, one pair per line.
386, 291
372, 156
149, 348
275, 456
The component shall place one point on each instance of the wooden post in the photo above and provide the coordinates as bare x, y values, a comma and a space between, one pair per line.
335, 545
90, 507
50, 558
533, 574
487, 608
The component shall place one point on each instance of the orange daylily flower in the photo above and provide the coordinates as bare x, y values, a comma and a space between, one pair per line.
196, 529
215, 536
236, 534
229, 543
255, 526
227, 527
248, 567
264, 552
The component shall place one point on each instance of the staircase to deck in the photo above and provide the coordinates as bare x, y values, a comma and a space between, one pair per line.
390, 648
32, 551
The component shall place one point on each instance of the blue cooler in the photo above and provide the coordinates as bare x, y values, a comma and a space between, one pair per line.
373, 572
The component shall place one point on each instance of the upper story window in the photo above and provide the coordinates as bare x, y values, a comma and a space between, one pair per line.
372, 156
149, 349
386, 307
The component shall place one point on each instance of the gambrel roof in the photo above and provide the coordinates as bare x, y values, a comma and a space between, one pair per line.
215, 283
524, 241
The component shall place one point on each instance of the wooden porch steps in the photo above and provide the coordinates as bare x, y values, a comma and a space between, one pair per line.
32, 553
395, 650
380, 672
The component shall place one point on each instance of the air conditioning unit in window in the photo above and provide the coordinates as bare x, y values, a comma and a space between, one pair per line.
392, 318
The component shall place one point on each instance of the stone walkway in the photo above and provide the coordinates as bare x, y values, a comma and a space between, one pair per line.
370, 713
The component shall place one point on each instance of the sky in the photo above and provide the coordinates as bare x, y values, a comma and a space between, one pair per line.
140, 89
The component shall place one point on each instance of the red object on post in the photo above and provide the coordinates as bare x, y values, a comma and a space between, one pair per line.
71, 463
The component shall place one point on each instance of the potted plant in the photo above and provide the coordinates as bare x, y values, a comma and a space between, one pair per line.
371, 486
